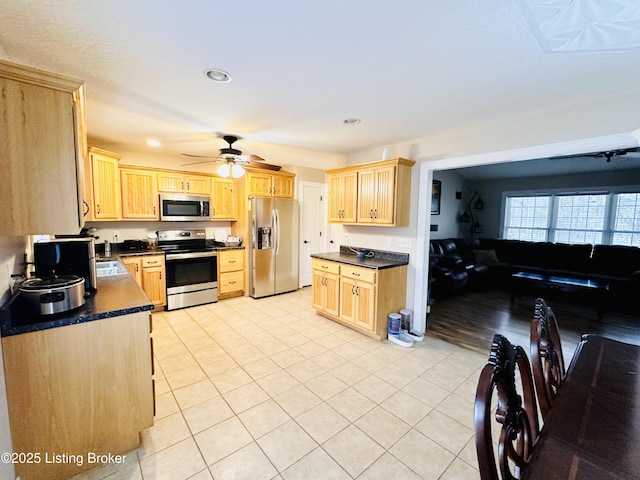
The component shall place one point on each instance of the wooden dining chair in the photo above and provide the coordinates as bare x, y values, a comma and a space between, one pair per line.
498, 403
547, 361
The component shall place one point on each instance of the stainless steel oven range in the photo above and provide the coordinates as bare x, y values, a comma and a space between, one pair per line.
191, 268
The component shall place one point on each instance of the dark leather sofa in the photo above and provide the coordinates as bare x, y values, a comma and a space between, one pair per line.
453, 266
492, 261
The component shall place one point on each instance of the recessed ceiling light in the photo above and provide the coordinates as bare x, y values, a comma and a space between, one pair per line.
351, 121
218, 75
153, 143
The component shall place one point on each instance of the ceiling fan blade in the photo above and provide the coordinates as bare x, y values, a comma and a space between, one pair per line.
263, 166
253, 158
197, 163
197, 156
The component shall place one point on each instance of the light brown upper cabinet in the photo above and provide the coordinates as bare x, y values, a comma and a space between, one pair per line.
343, 197
382, 193
270, 184
43, 143
105, 180
224, 202
377, 195
139, 194
180, 183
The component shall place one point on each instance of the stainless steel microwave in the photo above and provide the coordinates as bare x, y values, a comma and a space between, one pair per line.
184, 208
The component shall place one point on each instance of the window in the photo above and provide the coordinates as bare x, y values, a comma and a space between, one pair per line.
604, 218
527, 218
580, 218
626, 230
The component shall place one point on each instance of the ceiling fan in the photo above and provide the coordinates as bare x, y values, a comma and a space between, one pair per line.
607, 154
232, 160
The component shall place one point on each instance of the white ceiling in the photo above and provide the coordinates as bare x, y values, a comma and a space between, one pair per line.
408, 69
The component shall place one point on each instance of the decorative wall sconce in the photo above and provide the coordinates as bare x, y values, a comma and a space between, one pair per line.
467, 216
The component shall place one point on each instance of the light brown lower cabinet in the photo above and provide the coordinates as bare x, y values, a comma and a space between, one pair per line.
78, 392
149, 273
357, 297
230, 273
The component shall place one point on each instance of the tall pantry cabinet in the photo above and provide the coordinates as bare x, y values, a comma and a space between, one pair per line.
43, 143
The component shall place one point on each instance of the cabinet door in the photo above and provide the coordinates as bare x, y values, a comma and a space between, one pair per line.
259, 184
343, 197
366, 195
106, 185
42, 149
282, 186
139, 194
385, 195
335, 194
326, 292
349, 197
197, 184
332, 294
170, 182
317, 290
365, 300
153, 284
348, 304
135, 268
224, 204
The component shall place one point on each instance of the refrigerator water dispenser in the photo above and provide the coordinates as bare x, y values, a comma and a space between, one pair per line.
264, 238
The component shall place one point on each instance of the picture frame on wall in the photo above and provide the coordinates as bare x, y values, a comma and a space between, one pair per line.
435, 197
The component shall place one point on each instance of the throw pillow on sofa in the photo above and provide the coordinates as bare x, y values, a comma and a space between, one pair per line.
486, 256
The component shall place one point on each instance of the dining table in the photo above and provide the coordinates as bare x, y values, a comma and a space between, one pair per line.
593, 428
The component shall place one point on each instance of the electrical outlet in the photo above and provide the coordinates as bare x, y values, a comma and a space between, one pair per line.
403, 242
389, 241
116, 236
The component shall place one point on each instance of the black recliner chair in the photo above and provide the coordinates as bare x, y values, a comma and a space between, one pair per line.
447, 271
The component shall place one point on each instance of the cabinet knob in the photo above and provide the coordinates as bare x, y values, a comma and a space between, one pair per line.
306, 241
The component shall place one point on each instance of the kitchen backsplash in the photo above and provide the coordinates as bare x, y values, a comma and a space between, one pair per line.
140, 230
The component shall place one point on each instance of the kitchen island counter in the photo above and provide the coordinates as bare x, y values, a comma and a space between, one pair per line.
116, 295
379, 260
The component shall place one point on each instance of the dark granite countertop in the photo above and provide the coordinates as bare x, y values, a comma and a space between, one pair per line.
116, 295
380, 259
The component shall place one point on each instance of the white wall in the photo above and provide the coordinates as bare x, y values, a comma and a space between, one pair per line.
450, 207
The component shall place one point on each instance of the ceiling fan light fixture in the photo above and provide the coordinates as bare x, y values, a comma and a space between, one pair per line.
237, 171
224, 170
217, 75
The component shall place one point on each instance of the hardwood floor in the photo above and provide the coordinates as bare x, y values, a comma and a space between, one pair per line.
471, 319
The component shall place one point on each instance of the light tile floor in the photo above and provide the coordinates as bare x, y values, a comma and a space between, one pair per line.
267, 389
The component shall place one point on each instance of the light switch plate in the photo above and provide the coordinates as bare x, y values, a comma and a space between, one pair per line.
403, 242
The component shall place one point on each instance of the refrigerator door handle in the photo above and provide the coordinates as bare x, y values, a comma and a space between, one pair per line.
276, 224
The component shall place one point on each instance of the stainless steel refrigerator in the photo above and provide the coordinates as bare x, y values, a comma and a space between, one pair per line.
273, 246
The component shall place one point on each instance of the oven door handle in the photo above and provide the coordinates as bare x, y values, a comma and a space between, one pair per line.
180, 256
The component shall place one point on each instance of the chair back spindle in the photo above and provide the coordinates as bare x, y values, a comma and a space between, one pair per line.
516, 414
547, 360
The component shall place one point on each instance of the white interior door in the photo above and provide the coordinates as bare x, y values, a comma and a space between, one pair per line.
312, 226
